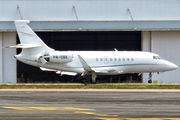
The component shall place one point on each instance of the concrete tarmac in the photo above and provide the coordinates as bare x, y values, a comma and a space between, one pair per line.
89, 104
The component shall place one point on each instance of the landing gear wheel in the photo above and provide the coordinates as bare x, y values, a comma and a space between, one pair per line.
84, 80
149, 81
93, 82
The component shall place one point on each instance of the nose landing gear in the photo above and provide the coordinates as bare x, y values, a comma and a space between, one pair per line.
150, 77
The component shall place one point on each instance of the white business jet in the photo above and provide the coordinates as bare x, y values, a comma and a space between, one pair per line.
36, 53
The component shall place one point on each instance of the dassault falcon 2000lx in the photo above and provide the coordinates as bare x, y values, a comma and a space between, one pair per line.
36, 53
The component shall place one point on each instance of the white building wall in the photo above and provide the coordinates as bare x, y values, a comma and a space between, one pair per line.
167, 45
8, 70
1, 59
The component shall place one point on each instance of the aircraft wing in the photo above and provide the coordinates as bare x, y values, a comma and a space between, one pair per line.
103, 70
59, 72
84, 64
87, 68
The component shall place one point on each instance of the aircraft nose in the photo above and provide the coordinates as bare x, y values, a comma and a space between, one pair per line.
172, 66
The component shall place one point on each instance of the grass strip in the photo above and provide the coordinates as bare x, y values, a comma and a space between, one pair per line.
90, 86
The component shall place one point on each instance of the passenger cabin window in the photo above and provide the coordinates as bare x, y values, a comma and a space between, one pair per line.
123, 59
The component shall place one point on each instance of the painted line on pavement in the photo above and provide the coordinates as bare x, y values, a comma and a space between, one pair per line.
138, 118
47, 108
91, 113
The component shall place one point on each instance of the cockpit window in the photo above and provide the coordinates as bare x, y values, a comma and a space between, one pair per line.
157, 57
160, 57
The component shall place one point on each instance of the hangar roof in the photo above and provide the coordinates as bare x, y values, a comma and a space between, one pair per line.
96, 25
58, 15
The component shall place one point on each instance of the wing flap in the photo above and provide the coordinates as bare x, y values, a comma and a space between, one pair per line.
96, 71
69, 73
103, 70
47, 69
59, 72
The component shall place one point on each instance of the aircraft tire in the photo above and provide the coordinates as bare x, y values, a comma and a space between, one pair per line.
149, 81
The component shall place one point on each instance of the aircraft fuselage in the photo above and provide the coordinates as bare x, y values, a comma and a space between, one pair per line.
119, 61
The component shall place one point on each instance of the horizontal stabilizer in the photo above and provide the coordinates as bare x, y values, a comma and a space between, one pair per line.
23, 46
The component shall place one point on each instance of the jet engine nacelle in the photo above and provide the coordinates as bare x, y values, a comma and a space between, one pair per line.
60, 57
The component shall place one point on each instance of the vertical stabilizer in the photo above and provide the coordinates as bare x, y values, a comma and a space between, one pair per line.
28, 37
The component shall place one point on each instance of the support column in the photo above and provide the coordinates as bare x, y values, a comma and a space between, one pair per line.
146, 41
1, 59
146, 46
9, 62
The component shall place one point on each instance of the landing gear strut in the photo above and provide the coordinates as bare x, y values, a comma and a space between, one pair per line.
150, 78
93, 81
83, 80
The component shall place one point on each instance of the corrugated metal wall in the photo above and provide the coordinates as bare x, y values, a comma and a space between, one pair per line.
55, 10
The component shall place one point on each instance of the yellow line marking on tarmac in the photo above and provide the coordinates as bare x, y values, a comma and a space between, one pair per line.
43, 108
81, 110
72, 108
109, 118
139, 118
17, 108
91, 113
48, 108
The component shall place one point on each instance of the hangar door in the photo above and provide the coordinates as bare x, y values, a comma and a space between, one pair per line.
107, 40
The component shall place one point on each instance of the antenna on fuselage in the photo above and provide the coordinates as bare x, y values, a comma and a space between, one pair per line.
115, 49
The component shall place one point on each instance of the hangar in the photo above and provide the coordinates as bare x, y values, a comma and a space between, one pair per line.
134, 25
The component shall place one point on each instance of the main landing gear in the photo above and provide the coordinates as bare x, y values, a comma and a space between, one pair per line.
93, 79
83, 80
150, 77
